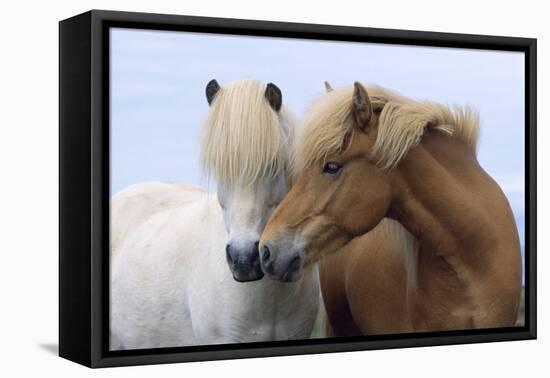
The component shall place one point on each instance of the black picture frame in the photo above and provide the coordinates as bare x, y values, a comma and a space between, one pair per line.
84, 187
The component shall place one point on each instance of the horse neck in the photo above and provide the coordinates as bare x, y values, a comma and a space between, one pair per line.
445, 199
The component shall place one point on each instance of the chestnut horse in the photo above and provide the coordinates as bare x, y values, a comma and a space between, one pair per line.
421, 238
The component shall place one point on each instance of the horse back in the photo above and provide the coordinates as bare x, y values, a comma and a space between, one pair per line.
137, 203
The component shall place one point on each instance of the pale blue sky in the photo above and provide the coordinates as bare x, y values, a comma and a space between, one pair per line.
158, 103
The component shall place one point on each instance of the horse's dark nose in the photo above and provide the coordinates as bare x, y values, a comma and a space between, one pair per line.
254, 255
230, 255
285, 267
244, 261
266, 254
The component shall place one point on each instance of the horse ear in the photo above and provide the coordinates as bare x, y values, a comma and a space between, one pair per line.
328, 87
361, 106
274, 96
211, 89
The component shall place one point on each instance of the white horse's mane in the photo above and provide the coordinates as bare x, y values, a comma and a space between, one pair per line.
401, 125
244, 139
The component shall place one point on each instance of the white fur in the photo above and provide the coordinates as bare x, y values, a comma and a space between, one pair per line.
170, 282
171, 285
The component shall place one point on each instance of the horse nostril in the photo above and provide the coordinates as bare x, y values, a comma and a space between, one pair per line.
266, 253
228, 254
255, 255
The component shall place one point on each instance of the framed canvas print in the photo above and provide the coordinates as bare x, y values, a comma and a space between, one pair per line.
234, 188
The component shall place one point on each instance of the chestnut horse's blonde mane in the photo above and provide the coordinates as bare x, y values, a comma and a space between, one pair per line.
244, 139
401, 125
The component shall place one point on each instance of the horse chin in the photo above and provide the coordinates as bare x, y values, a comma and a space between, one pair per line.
292, 273
292, 276
289, 276
251, 277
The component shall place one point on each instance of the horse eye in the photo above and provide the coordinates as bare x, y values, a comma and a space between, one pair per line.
331, 168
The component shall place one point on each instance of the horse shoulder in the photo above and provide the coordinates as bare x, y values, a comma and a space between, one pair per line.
151, 263
370, 287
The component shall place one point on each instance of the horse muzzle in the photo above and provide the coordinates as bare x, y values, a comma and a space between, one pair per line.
244, 263
282, 266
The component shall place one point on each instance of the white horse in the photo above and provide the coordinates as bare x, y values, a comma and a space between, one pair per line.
178, 252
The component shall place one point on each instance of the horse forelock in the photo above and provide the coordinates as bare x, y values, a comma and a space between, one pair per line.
243, 138
328, 124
